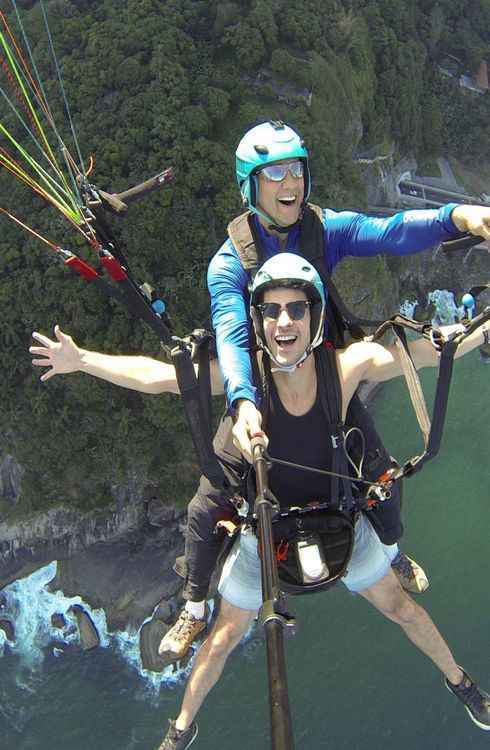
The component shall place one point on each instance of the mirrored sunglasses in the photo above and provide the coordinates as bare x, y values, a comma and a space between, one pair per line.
296, 309
277, 172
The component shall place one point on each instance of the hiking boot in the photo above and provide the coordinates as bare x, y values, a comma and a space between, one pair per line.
177, 740
475, 700
410, 575
182, 635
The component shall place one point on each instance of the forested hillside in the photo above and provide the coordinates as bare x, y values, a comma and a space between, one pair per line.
153, 83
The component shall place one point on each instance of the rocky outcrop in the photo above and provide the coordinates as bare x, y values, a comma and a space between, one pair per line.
8, 628
160, 514
89, 636
417, 275
58, 621
284, 91
59, 533
151, 634
129, 576
118, 559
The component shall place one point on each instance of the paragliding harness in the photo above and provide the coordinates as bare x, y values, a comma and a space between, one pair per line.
313, 547
246, 240
313, 544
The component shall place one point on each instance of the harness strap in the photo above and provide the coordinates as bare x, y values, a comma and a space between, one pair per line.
312, 243
204, 377
413, 382
431, 429
331, 401
196, 413
442, 397
242, 237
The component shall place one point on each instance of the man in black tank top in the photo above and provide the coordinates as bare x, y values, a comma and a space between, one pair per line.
292, 436
286, 314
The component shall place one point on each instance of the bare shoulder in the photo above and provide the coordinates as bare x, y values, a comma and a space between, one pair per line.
358, 356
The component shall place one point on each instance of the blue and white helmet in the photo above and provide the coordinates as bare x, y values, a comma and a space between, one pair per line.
266, 144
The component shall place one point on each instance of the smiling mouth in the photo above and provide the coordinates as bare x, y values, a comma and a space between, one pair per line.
287, 201
285, 341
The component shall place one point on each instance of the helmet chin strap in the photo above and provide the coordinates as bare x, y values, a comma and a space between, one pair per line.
283, 230
289, 368
276, 227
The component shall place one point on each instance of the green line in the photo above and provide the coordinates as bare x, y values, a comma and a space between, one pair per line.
45, 177
41, 86
34, 67
26, 178
68, 193
13, 66
32, 136
67, 200
60, 79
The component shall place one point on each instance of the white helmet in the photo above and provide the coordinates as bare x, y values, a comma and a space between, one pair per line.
289, 270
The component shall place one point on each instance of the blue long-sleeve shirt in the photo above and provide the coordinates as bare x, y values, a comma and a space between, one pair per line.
346, 233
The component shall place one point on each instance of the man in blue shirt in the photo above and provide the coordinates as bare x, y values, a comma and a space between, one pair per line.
276, 195
274, 179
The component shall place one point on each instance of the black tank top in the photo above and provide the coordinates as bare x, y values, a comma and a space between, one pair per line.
303, 440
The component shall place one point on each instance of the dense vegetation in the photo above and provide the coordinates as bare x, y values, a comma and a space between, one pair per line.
159, 82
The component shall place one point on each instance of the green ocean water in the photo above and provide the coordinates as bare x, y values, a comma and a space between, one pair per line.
355, 681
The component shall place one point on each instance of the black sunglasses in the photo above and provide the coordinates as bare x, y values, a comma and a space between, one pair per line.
296, 309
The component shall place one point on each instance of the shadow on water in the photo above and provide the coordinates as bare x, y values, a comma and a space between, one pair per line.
355, 681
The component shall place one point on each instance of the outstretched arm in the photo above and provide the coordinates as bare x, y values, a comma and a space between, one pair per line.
377, 363
138, 373
404, 233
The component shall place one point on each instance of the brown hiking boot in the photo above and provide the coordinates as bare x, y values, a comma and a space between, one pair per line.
410, 575
182, 635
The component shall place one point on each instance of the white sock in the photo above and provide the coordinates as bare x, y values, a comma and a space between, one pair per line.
391, 551
196, 609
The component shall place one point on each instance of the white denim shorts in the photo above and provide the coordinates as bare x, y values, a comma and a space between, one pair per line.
240, 583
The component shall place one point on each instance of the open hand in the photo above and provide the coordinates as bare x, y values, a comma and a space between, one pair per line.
62, 355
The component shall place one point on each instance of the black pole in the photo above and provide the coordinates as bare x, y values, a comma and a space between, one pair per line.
273, 615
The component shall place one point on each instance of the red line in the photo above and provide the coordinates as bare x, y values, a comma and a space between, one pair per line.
30, 182
31, 231
18, 92
25, 65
